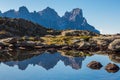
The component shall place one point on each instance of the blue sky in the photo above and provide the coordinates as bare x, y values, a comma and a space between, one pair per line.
103, 14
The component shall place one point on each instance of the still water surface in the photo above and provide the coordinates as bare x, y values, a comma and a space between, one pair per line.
56, 67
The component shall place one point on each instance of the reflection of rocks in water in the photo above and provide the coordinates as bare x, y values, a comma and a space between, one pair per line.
74, 62
115, 58
17, 55
75, 53
45, 60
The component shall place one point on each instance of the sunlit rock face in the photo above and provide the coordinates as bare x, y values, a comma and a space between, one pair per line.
75, 20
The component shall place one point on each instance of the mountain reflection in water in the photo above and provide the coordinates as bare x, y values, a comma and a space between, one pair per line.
36, 65
45, 60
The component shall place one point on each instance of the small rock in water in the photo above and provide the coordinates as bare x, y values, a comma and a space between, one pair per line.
94, 65
112, 68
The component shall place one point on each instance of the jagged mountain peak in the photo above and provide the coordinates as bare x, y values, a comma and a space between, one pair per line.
49, 14
49, 18
48, 10
78, 12
74, 14
23, 9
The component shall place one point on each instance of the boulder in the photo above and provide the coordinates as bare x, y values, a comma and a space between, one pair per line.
66, 48
12, 40
27, 44
93, 45
11, 46
111, 68
52, 50
94, 65
3, 44
102, 44
84, 45
115, 45
9, 40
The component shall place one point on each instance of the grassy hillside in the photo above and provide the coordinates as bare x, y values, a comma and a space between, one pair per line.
20, 27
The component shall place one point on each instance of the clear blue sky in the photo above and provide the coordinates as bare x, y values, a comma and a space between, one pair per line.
103, 14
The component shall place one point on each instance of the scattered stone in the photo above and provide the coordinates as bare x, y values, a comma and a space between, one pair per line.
94, 65
111, 68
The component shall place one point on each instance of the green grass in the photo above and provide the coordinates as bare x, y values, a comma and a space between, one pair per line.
61, 40
24, 38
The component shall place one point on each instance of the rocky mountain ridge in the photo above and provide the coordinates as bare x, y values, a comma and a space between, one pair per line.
49, 18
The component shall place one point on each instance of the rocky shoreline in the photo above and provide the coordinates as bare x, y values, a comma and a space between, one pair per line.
106, 43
